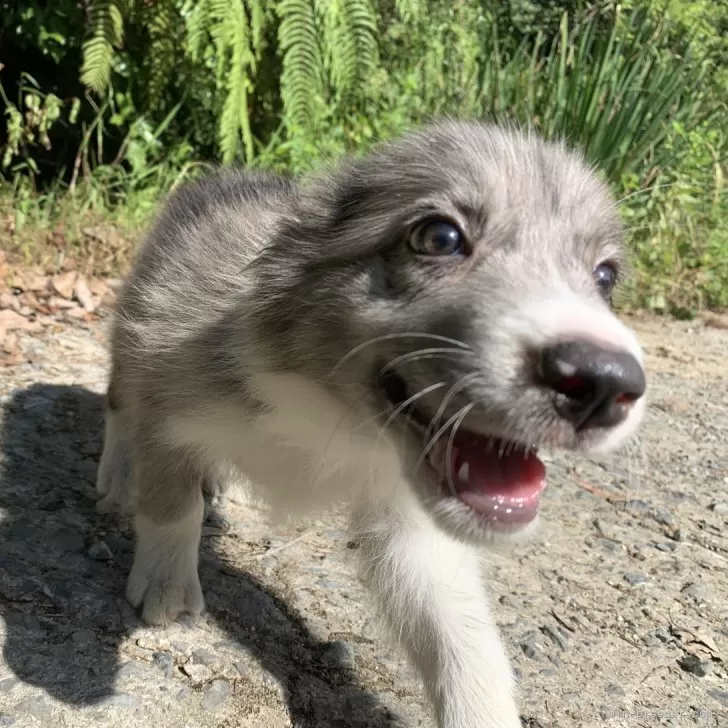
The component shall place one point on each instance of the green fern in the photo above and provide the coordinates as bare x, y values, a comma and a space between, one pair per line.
106, 32
301, 78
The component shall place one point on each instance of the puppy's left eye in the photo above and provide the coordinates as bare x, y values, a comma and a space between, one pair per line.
606, 275
437, 237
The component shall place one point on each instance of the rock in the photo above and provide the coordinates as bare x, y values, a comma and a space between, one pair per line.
99, 551
204, 656
719, 508
37, 707
697, 592
720, 695
83, 636
197, 673
130, 670
153, 642
8, 684
695, 666
122, 700
614, 689
507, 600
65, 540
164, 662
6, 719
634, 579
342, 653
529, 645
556, 637
214, 697
663, 516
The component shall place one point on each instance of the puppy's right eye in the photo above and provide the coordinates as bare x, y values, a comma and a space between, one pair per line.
437, 237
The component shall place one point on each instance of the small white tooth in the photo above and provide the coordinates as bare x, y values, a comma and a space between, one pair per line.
464, 472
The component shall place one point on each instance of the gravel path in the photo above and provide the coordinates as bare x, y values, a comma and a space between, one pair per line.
617, 615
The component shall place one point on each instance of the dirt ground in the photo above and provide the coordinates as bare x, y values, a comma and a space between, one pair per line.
616, 615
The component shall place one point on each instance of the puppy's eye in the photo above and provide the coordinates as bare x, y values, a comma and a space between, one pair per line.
605, 275
437, 237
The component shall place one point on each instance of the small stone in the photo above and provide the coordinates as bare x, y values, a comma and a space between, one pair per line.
634, 579
668, 546
197, 673
164, 662
99, 551
6, 719
83, 636
719, 508
36, 707
556, 636
129, 670
341, 653
152, 642
547, 672
218, 692
695, 666
697, 592
720, 695
183, 694
637, 506
65, 540
663, 516
614, 689
555, 660
203, 656
122, 700
510, 601
8, 684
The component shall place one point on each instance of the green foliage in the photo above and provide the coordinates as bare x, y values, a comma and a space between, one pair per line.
115, 99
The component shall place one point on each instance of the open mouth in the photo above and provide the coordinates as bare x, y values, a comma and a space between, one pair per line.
499, 480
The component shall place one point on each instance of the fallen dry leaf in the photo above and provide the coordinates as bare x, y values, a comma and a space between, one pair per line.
12, 320
716, 320
83, 295
64, 284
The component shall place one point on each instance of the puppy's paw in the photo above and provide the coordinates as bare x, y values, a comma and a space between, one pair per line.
164, 595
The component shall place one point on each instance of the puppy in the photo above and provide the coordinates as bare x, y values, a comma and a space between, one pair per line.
402, 333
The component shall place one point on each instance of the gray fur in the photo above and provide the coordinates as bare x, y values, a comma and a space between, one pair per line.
246, 277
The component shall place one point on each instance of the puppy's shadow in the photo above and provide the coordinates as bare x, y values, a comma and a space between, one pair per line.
62, 597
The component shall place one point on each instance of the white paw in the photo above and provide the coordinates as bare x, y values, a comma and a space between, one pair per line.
165, 594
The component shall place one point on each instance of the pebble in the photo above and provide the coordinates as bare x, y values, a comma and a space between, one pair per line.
695, 666
6, 719
720, 508
99, 551
529, 645
204, 656
129, 670
122, 700
663, 516
8, 684
164, 662
720, 695
697, 592
614, 689
634, 579
218, 692
197, 673
83, 636
342, 653
37, 707
555, 635
507, 600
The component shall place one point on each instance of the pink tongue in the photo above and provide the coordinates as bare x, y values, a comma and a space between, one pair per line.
506, 490
514, 476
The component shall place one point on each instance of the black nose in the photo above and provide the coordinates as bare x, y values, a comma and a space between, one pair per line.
595, 386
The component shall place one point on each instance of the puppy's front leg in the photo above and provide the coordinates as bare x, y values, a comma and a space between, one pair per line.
429, 589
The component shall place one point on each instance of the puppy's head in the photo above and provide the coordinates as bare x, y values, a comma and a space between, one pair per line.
456, 285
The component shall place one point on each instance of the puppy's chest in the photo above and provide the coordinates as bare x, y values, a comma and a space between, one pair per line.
303, 444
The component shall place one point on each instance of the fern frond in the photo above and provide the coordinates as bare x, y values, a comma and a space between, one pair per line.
235, 120
105, 33
163, 24
302, 64
351, 51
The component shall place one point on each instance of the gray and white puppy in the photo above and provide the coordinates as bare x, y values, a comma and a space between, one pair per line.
402, 334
